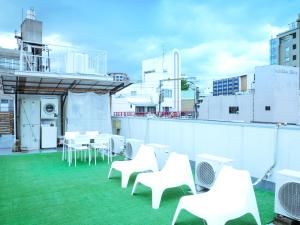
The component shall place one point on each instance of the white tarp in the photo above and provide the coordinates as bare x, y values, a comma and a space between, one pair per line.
88, 112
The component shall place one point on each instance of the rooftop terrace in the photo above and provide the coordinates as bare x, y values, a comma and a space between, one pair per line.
42, 189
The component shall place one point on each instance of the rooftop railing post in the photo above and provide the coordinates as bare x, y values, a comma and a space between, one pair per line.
21, 56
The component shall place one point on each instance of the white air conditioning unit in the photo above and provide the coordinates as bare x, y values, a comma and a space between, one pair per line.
117, 143
132, 146
207, 169
287, 194
162, 153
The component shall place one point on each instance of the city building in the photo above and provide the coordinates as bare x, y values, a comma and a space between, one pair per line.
159, 91
230, 86
285, 47
119, 76
275, 99
44, 90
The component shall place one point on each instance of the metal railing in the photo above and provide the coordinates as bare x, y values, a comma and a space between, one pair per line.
11, 64
61, 59
182, 114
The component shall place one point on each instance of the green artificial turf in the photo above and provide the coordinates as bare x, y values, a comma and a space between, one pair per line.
43, 189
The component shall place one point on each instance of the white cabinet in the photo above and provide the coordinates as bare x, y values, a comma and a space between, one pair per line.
49, 137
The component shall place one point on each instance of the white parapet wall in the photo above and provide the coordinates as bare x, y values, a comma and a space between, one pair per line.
252, 146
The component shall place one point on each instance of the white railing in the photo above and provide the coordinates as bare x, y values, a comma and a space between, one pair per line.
62, 59
11, 64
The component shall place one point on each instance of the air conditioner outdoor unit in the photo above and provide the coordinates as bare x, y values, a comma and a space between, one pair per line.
162, 153
132, 146
207, 169
287, 194
117, 143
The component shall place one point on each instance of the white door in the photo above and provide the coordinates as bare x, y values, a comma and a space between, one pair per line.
30, 137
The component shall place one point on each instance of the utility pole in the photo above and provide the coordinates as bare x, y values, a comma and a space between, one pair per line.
160, 98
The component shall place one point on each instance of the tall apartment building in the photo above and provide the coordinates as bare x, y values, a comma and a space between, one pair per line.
285, 48
230, 86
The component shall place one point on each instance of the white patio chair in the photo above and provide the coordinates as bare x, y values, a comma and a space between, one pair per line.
79, 143
176, 172
231, 196
107, 140
92, 134
67, 142
101, 144
144, 160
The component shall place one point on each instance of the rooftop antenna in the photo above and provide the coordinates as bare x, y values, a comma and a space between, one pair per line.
163, 57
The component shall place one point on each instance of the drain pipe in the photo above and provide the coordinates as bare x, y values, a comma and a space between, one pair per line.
269, 172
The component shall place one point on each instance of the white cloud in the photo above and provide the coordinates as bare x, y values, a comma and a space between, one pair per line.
272, 31
219, 59
56, 39
7, 40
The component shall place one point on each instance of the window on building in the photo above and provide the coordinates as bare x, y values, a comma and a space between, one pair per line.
151, 109
268, 108
139, 109
294, 35
149, 71
4, 105
166, 109
294, 46
233, 110
167, 93
287, 54
294, 57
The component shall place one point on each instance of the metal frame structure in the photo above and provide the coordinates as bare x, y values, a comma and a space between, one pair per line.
42, 85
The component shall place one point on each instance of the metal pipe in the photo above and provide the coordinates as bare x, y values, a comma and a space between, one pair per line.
269, 172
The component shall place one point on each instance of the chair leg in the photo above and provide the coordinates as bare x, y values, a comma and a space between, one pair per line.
257, 218
192, 188
125, 179
177, 212
254, 211
66, 152
69, 157
63, 152
156, 197
137, 181
110, 171
95, 153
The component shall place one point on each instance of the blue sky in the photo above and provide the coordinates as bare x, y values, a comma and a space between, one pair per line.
216, 38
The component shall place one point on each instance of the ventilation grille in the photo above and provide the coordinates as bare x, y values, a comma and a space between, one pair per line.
128, 151
205, 174
289, 198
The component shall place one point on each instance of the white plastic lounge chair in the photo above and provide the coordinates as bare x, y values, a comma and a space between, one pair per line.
231, 196
144, 160
176, 172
